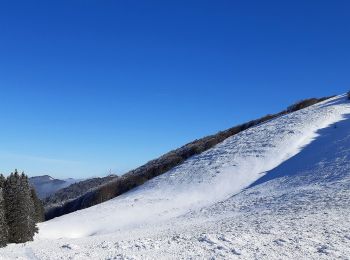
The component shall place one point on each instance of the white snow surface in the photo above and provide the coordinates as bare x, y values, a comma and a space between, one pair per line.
279, 190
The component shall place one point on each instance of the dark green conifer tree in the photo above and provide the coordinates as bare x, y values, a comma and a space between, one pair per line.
12, 185
28, 209
38, 207
20, 213
3, 223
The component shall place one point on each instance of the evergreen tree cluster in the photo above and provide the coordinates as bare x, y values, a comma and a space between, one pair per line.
20, 209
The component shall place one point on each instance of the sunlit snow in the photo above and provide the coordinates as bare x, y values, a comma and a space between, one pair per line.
277, 190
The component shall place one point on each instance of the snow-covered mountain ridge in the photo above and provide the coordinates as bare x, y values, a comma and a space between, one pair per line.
277, 190
45, 185
60, 205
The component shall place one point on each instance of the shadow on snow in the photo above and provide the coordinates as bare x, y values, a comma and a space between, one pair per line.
331, 145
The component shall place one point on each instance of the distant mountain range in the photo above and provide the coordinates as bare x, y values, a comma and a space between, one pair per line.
75, 190
45, 185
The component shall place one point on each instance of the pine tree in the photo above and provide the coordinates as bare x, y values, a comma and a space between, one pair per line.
3, 223
28, 209
11, 201
38, 207
20, 213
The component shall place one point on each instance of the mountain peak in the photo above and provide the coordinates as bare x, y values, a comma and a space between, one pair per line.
45, 185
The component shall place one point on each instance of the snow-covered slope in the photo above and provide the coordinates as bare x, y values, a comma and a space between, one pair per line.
278, 190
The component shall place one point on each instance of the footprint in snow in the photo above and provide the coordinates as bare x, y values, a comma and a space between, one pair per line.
206, 239
323, 249
279, 241
235, 252
70, 246
223, 238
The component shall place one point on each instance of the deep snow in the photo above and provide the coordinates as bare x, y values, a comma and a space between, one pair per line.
278, 190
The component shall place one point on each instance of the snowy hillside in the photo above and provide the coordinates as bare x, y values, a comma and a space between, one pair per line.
277, 190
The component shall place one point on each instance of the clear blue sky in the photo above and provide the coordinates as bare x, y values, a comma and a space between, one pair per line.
88, 86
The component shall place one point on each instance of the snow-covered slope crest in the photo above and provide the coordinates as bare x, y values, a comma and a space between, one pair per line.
277, 191
204, 179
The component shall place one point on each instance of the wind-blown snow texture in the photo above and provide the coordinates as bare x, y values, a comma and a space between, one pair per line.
278, 190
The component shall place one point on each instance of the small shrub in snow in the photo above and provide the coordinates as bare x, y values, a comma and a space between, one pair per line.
302, 104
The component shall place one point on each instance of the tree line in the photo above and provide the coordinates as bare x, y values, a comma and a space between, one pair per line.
20, 209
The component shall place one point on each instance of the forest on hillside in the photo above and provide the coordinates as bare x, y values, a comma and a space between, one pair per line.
20, 209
